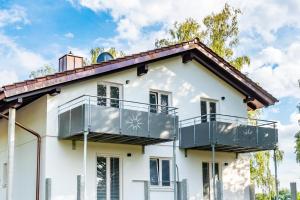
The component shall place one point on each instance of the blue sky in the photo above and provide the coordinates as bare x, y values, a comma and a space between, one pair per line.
34, 33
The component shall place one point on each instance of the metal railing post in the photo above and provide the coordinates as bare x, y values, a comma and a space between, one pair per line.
174, 158
148, 128
194, 131
85, 165
214, 172
257, 140
276, 179
120, 118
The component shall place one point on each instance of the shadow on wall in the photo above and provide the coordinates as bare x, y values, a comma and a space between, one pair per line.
236, 179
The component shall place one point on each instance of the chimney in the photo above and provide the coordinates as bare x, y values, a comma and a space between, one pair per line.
69, 62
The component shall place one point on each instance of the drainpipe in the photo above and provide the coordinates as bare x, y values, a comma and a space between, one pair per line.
11, 152
38, 153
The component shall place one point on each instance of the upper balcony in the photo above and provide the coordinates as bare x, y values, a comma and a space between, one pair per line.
227, 133
112, 120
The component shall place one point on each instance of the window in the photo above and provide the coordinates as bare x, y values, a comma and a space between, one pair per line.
208, 110
160, 172
109, 94
205, 180
159, 101
108, 178
4, 176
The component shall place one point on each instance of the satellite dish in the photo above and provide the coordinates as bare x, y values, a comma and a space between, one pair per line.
103, 57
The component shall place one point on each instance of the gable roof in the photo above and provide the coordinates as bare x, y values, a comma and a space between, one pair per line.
29, 90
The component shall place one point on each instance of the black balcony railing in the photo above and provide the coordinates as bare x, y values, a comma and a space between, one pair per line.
227, 133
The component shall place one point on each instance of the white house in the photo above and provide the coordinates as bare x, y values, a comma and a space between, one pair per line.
131, 109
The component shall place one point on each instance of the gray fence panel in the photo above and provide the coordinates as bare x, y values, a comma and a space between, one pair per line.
252, 192
79, 187
293, 191
182, 190
77, 119
48, 189
267, 137
219, 190
146, 190
134, 123
105, 119
64, 124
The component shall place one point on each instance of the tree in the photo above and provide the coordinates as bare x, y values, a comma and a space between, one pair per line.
95, 52
42, 71
220, 34
297, 147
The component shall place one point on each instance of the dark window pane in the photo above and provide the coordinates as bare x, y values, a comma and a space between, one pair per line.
164, 103
153, 101
114, 179
203, 111
154, 166
205, 179
166, 173
101, 178
101, 93
212, 111
114, 95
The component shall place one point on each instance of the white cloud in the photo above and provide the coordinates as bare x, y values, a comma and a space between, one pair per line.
132, 16
7, 77
15, 60
69, 35
277, 70
12, 55
13, 15
288, 170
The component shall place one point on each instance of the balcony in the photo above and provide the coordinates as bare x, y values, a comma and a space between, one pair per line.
116, 121
227, 133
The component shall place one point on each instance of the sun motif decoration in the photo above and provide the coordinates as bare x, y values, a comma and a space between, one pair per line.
247, 132
134, 122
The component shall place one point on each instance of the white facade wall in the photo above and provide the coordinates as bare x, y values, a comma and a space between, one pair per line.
187, 82
34, 117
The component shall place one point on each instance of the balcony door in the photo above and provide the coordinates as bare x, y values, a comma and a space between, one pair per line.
207, 179
108, 178
109, 94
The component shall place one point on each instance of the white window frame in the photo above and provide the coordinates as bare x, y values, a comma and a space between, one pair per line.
159, 93
108, 85
108, 156
207, 100
160, 186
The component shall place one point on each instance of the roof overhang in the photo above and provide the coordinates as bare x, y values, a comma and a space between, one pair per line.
30, 90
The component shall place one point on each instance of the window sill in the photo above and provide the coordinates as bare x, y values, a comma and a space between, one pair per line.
161, 188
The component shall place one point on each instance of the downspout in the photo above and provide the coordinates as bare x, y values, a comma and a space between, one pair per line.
38, 156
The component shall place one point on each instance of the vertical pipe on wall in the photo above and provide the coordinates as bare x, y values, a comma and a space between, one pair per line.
174, 158
85, 135
11, 152
276, 180
213, 171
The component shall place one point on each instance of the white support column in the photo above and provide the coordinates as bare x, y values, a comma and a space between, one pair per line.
11, 152
85, 134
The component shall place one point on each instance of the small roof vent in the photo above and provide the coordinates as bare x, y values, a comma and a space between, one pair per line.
103, 57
